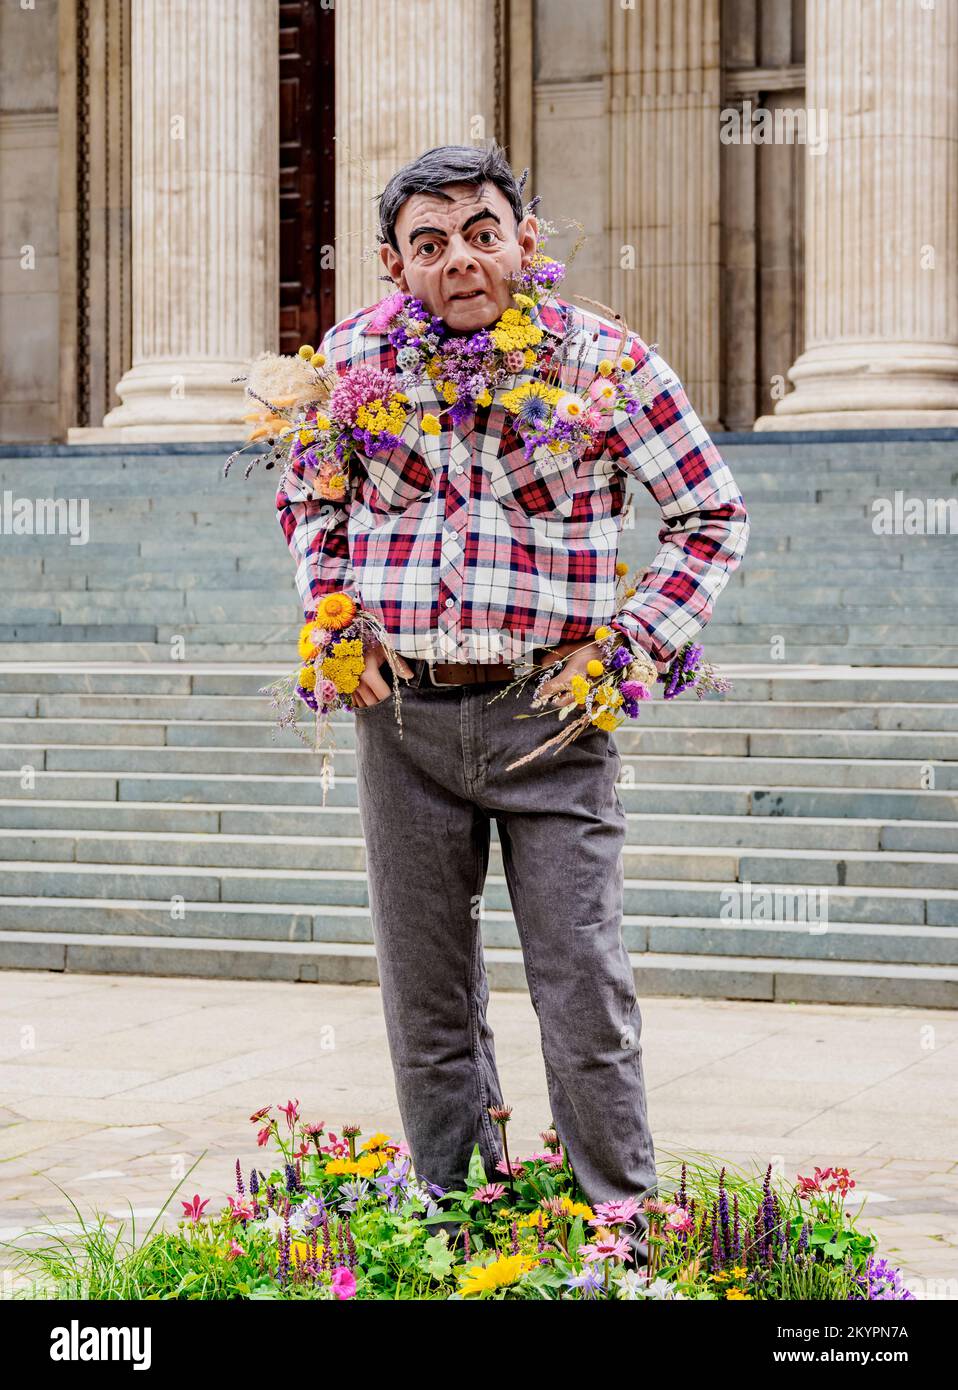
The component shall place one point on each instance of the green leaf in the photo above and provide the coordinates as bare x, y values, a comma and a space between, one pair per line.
476, 1176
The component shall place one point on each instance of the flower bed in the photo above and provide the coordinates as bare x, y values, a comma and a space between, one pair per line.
339, 1217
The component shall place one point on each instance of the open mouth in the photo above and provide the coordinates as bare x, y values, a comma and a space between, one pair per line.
468, 294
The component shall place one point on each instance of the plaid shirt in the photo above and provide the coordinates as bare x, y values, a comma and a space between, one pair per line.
467, 551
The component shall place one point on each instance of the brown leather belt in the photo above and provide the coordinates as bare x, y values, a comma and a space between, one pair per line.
439, 673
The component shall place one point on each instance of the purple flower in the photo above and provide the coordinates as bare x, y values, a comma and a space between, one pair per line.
588, 1281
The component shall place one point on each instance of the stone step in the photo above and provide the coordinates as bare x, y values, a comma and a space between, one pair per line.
642, 738
151, 820
129, 711
752, 682
783, 979
702, 762
173, 883
339, 850
671, 797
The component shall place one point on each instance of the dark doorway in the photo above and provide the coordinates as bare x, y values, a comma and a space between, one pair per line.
306, 172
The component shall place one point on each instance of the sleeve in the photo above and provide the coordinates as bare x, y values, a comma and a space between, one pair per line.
705, 525
316, 532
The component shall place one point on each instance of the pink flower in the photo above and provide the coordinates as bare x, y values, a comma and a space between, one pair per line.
194, 1210
608, 1249
490, 1193
291, 1111
357, 387
679, 1221
593, 419
262, 1137
385, 311
634, 690
344, 1283
235, 1250
240, 1210
615, 1213
517, 1168
549, 1156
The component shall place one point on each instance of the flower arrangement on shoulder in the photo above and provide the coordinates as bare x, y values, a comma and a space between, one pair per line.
615, 685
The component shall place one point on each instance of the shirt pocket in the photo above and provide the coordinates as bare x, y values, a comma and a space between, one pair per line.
543, 485
400, 477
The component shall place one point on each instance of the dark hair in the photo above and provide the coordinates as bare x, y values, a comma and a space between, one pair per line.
447, 164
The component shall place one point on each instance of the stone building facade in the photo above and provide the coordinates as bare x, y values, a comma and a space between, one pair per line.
768, 190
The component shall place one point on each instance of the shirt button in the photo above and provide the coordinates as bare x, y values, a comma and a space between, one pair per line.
450, 602
457, 468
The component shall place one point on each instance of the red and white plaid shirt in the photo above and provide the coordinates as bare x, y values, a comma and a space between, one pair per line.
467, 551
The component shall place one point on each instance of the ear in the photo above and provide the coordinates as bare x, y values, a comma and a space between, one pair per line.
393, 262
528, 238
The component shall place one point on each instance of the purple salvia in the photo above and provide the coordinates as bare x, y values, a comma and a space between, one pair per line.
515, 1237
465, 1243
253, 1182
736, 1231
240, 1190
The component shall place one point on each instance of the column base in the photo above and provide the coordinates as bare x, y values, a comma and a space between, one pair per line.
867, 384
173, 398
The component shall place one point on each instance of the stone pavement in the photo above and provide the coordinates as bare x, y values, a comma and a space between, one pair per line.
112, 1087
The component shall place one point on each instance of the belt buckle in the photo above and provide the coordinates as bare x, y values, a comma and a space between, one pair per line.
439, 685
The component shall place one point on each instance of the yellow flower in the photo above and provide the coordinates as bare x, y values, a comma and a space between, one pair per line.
737, 1293
307, 646
515, 331
607, 721
523, 301
605, 367
433, 368
318, 359
534, 1218
580, 689
512, 400
307, 677
430, 424
322, 422
570, 1208
594, 668
336, 482
530, 359
377, 1141
627, 363
340, 1166
509, 1269
601, 633
368, 1163
306, 435
631, 593
621, 568
306, 352
335, 611
608, 695
484, 399
450, 392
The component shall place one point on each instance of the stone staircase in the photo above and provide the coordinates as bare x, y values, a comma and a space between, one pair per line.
795, 841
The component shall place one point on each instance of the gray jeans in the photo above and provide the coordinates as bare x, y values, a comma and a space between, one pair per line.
426, 801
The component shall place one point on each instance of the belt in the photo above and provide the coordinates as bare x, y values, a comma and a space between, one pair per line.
427, 673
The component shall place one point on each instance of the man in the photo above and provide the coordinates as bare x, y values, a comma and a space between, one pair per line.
475, 559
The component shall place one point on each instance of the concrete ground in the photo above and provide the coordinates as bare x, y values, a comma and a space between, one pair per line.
113, 1086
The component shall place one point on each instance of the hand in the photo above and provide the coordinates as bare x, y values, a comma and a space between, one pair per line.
575, 666
372, 688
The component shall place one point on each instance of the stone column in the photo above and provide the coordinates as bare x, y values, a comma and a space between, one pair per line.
205, 215
881, 317
410, 74
665, 94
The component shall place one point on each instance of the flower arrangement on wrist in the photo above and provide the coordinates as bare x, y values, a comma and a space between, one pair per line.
333, 644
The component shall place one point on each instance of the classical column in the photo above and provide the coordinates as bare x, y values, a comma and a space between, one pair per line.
410, 74
665, 94
205, 210
881, 220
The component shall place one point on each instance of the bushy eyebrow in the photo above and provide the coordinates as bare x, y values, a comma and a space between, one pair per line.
469, 222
